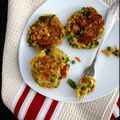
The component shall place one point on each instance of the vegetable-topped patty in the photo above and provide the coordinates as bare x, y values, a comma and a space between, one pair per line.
49, 67
84, 28
46, 32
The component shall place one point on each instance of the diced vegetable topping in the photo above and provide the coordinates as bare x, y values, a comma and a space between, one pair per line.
78, 59
67, 60
109, 48
84, 28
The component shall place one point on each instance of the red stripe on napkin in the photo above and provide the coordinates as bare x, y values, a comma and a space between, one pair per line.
118, 103
112, 117
116, 113
51, 110
21, 100
35, 107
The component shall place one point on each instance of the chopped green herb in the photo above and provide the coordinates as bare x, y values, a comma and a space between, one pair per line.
33, 44
88, 85
67, 60
74, 39
109, 48
96, 43
73, 62
69, 37
85, 12
83, 8
54, 76
52, 16
75, 46
38, 22
29, 40
83, 88
47, 51
88, 47
69, 24
72, 83
36, 79
29, 37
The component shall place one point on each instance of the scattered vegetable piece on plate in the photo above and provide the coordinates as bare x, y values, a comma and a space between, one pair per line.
109, 51
72, 83
78, 59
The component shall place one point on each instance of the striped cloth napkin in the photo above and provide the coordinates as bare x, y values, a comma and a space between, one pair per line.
24, 102
29, 105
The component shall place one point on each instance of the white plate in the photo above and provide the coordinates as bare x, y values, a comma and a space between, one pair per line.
107, 69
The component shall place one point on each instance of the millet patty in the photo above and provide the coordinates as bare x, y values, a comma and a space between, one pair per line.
84, 28
49, 67
46, 32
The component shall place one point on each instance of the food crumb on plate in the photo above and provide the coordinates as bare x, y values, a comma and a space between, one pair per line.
78, 59
87, 85
109, 51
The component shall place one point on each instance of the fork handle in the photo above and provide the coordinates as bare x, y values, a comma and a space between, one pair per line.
110, 20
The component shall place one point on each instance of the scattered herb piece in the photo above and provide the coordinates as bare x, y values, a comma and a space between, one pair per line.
73, 62
72, 83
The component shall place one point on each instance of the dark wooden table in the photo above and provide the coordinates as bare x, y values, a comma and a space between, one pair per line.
5, 114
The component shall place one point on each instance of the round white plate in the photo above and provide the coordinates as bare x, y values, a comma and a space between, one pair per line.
107, 69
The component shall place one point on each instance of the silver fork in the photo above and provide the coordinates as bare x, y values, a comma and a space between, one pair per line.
110, 20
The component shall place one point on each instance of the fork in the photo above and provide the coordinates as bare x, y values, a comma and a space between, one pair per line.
110, 20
